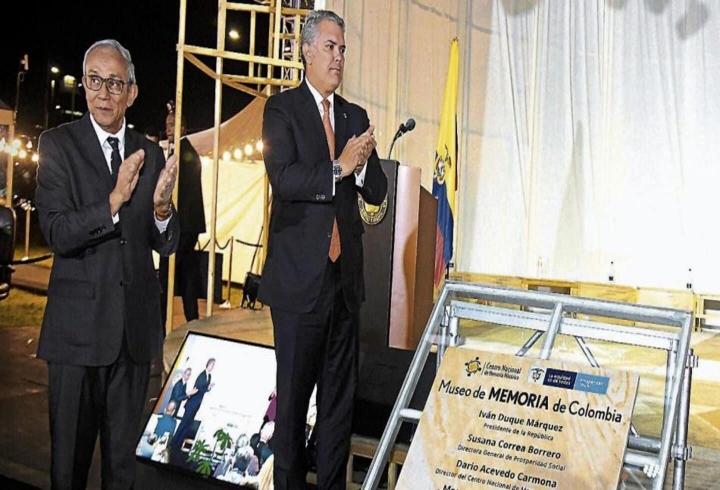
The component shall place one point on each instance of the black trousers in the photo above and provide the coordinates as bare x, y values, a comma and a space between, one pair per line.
187, 273
85, 400
317, 347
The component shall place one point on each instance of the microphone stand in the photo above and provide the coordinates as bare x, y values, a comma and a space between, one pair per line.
395, 138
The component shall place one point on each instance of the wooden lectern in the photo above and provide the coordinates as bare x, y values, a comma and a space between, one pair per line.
399, 248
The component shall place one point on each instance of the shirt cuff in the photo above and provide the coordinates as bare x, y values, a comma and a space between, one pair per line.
360, 178
162, 225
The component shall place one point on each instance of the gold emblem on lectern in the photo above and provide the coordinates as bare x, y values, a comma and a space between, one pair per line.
371, 214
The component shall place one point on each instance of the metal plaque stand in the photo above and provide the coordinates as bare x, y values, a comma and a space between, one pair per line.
551, 314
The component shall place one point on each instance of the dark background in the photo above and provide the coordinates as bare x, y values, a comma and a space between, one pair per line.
58, 33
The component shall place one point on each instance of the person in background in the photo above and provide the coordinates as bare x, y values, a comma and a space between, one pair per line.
203, 384
152, 134
164, 430
265, 477
179, 389
319, 153
191, 211
104, 204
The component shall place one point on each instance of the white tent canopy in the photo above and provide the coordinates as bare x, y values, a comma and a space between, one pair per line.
243, 128
240, 189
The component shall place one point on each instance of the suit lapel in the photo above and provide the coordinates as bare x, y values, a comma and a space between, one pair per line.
132, 142
92, 150
341, 124
308, 106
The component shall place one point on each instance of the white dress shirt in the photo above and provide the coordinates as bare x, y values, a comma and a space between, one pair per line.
102, 136
359, 178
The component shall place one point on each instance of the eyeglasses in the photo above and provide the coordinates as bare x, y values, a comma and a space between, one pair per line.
114, 86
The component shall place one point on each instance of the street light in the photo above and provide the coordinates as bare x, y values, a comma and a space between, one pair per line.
70, 85
24, 66
50, 91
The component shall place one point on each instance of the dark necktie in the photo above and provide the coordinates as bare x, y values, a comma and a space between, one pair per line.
334, 251
115, 158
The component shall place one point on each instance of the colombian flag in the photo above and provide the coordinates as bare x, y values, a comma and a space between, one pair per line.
445, 175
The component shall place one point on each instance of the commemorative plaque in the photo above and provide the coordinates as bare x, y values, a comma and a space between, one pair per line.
500, 421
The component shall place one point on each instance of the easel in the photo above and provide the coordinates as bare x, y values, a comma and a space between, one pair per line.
554, 314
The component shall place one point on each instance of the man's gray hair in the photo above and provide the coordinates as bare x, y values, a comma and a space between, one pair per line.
310, 28
113, 44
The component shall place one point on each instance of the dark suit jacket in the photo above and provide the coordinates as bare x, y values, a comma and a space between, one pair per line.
103, 280
202, 383
179, 393
190, 197
298, 164
166, 423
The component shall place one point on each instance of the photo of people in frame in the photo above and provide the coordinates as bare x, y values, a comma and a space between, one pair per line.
215, 415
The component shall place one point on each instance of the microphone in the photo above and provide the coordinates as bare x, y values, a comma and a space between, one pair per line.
406, 127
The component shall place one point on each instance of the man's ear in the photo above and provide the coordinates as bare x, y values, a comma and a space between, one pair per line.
132, 94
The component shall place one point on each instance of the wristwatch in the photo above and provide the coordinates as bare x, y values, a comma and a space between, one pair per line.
337, 171
166, 216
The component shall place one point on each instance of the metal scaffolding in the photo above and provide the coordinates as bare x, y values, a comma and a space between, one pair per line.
275, 68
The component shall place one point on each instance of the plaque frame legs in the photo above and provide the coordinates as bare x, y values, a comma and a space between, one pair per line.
549, 314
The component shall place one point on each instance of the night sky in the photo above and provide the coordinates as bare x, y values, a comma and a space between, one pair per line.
59, 33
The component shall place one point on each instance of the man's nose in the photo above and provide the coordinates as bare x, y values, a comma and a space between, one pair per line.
104, 92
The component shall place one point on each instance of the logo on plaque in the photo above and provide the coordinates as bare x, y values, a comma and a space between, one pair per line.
371, 214
473, 366
536, 375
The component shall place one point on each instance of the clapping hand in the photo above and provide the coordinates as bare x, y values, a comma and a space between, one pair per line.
368, 145
165, 186
127, 179
357, 151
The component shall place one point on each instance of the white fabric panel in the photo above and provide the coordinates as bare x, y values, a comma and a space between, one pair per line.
239, 213
588, 131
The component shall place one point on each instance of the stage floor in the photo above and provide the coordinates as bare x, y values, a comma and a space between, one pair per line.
24, 400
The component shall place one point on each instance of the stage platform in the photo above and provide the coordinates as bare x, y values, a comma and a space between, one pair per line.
235, 323
24, 436
703, 471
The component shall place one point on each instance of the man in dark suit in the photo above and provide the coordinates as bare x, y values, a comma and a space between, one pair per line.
203, 384
319, 153
102, 216
179, 390
192, 222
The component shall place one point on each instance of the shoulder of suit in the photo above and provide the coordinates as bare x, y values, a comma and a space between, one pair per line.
284, 95
62, 129
58, 134
348, 106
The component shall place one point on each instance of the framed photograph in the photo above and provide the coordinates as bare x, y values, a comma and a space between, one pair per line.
215, 415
